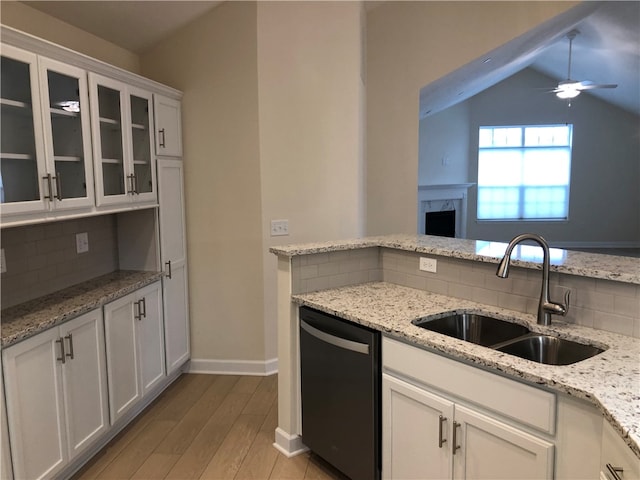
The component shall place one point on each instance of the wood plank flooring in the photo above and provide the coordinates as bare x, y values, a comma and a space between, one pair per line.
206, 427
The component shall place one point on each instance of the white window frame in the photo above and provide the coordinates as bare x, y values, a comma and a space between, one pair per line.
521, 152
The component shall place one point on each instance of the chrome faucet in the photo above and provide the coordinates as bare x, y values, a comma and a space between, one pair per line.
545, 307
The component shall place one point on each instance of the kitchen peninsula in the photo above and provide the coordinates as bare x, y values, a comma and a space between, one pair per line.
376, 282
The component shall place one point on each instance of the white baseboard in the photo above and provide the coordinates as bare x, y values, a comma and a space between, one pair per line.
289, 445
234, 367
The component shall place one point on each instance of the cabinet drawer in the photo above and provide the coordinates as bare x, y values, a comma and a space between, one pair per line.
523, 403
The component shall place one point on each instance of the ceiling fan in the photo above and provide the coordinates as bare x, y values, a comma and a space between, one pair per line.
568, 89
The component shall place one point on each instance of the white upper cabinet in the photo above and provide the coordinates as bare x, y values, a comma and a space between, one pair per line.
46, 137
124, 167
141, 123
22, 166
78, 137
168, 126
67, 134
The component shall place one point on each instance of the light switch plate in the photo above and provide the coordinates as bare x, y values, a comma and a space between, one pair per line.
82, 242
279, 228
3, 261
428, 264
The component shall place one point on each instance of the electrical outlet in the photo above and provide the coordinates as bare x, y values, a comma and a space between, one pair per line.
3, 261
82, 242
279, 228
428, 264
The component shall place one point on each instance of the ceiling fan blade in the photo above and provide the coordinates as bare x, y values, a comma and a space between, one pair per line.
592, 86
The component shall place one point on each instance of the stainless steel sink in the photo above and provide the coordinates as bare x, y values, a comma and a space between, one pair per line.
549, 350
508, 337
474, 328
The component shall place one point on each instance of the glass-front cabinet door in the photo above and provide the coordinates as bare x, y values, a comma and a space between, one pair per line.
65, 104
144, 173
24, 184
124, 166
107, 109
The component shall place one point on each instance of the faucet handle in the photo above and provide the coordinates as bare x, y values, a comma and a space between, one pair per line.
556, 308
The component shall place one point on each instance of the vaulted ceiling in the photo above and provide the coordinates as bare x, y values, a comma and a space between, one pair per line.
607, 50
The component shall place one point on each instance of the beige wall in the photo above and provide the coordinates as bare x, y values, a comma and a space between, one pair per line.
213, 61
409, 45
311, 127
272, 125
30, 20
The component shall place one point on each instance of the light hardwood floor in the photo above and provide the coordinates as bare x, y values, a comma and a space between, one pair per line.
206, 427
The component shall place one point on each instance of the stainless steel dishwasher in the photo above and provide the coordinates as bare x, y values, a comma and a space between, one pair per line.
340, 382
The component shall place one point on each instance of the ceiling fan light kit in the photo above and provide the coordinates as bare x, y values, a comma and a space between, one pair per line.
568, 90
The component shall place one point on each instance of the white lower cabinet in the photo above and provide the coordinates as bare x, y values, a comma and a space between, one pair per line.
56, 395
438, 421
135, 347
488, 448
415, 426
617, 460
427, 436
173, 252
6, 471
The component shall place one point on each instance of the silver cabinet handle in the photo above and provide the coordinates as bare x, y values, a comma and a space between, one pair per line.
142, 306
58, 180
47, 178
615, 472
132, 188
454, 445
62, 356
70, 338
335, 341
142, 309
168, 264
162, 139
441, 423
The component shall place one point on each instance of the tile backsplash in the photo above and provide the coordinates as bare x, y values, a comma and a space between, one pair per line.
42, 258
602, 304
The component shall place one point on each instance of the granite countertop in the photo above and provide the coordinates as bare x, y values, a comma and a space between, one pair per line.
610, 380
27, 319
608, 267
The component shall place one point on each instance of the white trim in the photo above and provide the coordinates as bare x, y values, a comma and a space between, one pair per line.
456, 193
20, 220
48, 49
234, 367
289, 445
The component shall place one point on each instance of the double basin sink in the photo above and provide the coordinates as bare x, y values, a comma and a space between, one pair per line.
510, 338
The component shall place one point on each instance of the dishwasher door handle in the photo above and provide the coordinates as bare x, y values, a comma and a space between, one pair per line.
333, 340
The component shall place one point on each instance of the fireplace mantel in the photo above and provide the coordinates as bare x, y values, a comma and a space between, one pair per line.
455, 193
443, 191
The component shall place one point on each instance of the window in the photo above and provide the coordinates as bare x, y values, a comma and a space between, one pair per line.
524, 172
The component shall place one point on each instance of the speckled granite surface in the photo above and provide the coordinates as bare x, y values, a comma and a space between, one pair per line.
609, 267
29, 318
610, 380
